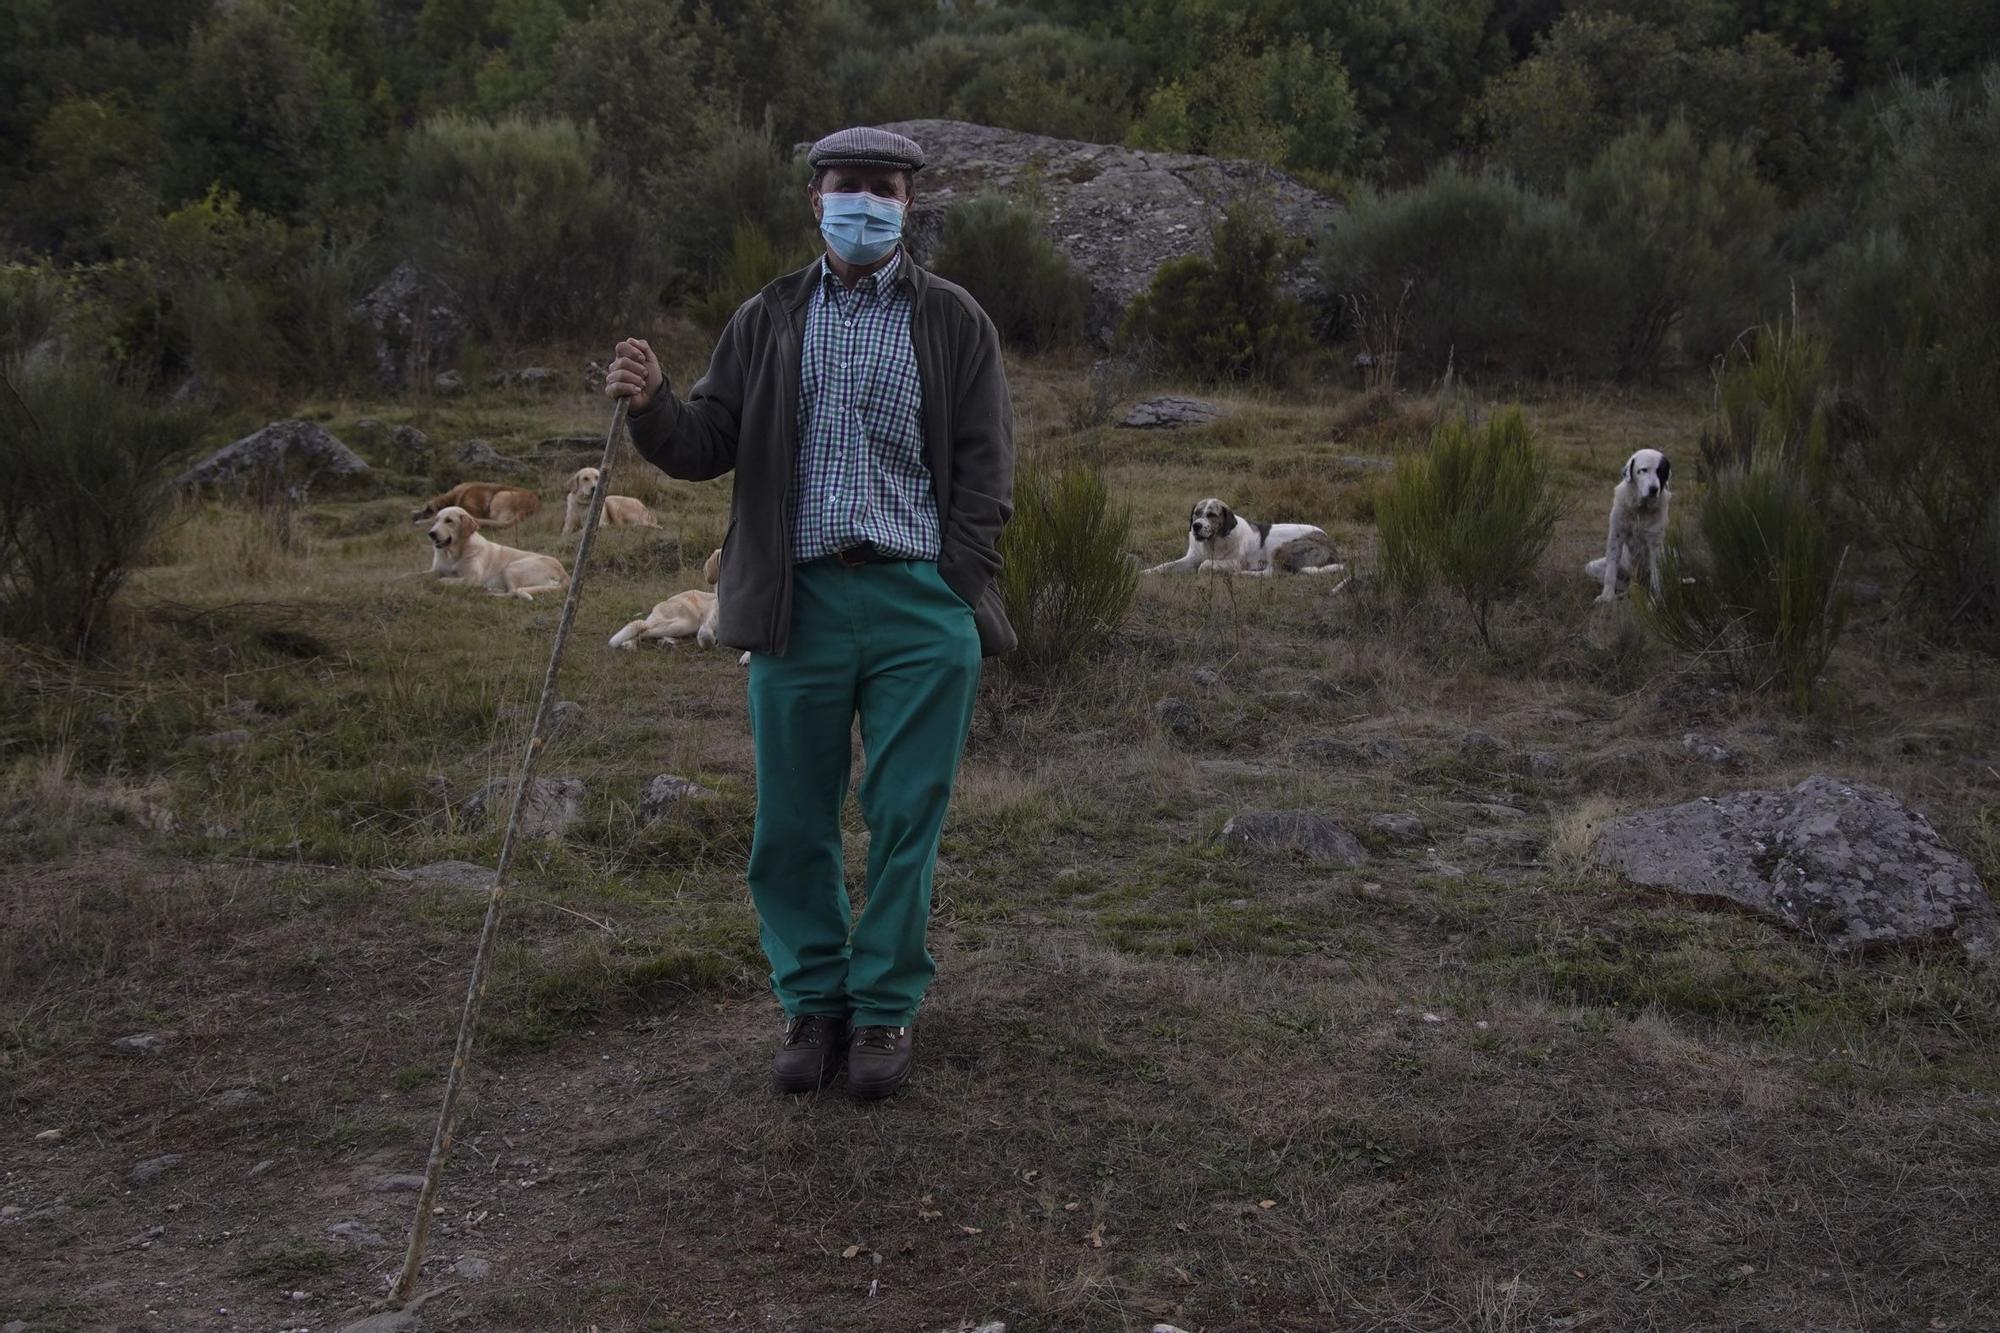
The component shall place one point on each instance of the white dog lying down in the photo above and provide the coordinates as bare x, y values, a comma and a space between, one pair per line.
685, 615
460, 555
618, 509
1221, 541
1638, 525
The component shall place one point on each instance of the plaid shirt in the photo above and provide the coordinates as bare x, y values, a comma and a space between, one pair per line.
861, 475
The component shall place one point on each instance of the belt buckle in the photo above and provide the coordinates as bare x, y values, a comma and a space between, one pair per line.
854, 557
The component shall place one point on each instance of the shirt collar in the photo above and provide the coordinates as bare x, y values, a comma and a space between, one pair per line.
881, 280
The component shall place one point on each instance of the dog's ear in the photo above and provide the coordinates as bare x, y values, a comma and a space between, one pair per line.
467, 523
1194, 512
1228, 521
1626, 475
711, 568
1666, 469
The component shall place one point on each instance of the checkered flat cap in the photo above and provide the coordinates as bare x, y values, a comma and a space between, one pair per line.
865, 146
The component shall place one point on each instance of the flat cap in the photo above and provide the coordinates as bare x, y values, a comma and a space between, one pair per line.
865, 146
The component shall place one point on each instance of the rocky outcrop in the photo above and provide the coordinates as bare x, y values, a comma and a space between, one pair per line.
1117, 213
1171, 412
285, 455
416, 321
1284, 831
1845, 863
552, 808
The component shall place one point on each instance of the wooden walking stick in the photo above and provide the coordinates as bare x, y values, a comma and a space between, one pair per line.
475, 991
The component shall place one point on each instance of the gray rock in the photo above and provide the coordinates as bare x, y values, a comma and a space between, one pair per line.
1399, 828
483, 456
1339, 752
416, 321
1846, 863
527, 377
472, 1266
452, 875
412, 446
1709, 752
1116, 213
1502, 845
551, 807
353, 1233
261, 1168
1294, 831
1178, 718
1171, 412
448, 383
292, 455
142, 1043
566, 714
194, 391
1480, 745
234, 1099
14, 1326
1206, 677
396, 1184
368, 427
1545, 765
664, 793
153, 1168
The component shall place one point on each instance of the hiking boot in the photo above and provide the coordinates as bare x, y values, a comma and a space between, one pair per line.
879, 1060
811, 1052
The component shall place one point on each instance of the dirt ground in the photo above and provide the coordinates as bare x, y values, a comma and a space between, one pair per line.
1473, 1083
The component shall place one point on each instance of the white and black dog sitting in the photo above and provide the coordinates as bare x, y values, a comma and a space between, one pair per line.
1638, 526
1222, 542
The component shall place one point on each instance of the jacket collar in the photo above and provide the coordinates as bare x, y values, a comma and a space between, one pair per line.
794, 290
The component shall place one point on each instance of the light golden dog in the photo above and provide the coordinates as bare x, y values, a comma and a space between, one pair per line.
460, 555
493, 503
618, 509
685, 615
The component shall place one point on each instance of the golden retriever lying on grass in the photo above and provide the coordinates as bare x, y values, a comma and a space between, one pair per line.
685, 615
618, 509
493, 503
460, 555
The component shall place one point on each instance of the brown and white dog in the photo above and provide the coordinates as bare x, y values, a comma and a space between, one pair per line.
1221, 541
494, 503
618, 509
460, 555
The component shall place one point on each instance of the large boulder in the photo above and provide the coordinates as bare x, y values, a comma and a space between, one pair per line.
292, 455
1846, 863
1117, 213
416, 321
1286, 831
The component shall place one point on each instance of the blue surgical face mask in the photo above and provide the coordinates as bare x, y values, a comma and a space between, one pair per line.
861, 228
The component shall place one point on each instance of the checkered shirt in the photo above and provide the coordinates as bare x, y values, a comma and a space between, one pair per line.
861, 475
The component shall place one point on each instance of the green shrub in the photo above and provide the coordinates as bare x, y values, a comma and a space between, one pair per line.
1690, 234
513, 214
1223, 318
752, 262
1470, 269
1771, 397
1758, 592
998, 251
1914, 314
1474, 511
750, 179
1066, 580
32, 298
85, 480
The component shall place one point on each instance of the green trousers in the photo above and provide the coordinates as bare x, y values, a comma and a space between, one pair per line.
894, 645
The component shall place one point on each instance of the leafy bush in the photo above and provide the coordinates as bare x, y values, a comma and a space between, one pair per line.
32, 297
752, 262
1223, 318
85, 481
1287, 105
1066, 580
998, 251
745, 178
514, 216
1474, 270
1915, 316
1474, 512
1759, 592
1691, 234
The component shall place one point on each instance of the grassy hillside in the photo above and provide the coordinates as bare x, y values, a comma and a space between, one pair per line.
1472, 1084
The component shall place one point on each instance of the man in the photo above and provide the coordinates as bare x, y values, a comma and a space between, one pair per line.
863, 405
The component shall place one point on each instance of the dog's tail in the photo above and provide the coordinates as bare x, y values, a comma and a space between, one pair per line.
1310, 554
629, 636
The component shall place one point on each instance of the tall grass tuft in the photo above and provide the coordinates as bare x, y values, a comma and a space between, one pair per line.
1771, 397
85, 480
1067, 581
1758, 594
1474, 511
753, 260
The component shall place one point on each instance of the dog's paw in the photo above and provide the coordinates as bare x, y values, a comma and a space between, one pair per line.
1606, 598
